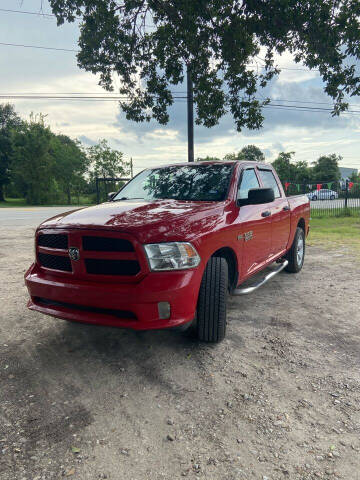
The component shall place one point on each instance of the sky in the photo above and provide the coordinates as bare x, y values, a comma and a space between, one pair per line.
33, 71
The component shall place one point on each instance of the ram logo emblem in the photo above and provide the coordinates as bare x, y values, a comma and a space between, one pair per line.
74, 253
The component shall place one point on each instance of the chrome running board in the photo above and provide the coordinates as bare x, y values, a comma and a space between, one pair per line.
245, 291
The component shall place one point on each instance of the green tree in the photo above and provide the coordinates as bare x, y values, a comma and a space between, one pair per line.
9, 121
71, 163
302, 174
326, 168
32, 162
289, 171
249, 153
283, 166
106, 162
218, 42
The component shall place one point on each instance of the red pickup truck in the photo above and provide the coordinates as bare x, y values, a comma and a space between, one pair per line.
168, 248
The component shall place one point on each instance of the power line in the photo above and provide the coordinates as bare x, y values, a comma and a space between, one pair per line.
102, 98
45, 15
76, 93
299, 107
77, 51
27, 13
39, 47
295, 109
177, 92
75, 98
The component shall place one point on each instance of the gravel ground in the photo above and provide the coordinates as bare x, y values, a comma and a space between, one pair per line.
278, 399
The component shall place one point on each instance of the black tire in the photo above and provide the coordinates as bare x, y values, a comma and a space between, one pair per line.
332, 197
211, 309
314, 198
295, 264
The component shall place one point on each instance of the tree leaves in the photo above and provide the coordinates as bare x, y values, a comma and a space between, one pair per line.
150, 44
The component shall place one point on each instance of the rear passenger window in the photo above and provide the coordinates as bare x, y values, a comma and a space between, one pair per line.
248, 180
269, 181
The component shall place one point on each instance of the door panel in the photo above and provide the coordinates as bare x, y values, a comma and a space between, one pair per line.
255, 232
280, 225
280, 218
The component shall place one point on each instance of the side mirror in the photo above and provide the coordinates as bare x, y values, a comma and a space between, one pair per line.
111, 195
257, 196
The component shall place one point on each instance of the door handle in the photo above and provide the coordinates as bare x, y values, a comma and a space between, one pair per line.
267, 213
286, 208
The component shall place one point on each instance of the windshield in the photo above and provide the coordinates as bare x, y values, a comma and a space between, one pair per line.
193, 182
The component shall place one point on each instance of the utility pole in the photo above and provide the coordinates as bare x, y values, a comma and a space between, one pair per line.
190, 115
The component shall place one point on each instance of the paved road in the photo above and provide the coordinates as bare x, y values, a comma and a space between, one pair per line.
338, 203
28, 216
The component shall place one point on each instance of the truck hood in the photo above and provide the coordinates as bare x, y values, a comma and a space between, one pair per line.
147, 220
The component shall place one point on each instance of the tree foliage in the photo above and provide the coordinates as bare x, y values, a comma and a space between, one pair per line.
71, 163
219, 41
9, 121
249, 153
32, 162
106, 162
44, 167
326, 168
289, 171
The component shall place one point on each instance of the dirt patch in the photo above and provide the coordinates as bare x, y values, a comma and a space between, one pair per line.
278, 399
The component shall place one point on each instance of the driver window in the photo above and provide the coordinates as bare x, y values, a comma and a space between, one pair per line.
249, 180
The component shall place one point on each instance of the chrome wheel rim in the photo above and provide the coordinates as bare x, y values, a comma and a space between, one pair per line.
300, 250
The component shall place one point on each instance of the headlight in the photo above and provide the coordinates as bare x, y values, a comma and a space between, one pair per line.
171, 256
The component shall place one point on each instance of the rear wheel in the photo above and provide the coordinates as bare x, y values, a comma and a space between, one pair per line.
332, 197
314, 197
296, 254
211, 309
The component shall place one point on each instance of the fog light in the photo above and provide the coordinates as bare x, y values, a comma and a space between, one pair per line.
164, 310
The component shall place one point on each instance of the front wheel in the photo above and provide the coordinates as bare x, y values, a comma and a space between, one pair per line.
332, 197
296, 254
211, 309
314, 198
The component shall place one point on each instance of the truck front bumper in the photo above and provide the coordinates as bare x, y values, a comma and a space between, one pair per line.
134, 305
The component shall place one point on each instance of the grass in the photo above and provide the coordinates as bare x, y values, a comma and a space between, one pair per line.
335, 212
336, 232
13, 202
20, 202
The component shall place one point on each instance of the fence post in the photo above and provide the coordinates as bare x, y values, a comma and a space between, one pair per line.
346, 193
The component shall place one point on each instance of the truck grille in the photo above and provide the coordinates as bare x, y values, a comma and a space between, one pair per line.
112, 267
55, 262
53, 240
106, 244
101, 253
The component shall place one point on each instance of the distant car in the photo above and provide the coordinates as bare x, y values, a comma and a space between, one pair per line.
323, 194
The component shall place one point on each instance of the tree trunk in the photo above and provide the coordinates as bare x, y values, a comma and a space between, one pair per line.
2, 198
68, 196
